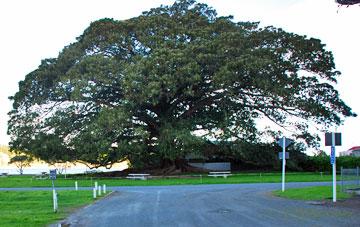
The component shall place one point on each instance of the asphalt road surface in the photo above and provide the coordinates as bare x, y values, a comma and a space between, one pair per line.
208, 205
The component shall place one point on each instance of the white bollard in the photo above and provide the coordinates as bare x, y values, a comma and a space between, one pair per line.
99, 190
96, 184
94, 193
76, 186
55, 200
104, 189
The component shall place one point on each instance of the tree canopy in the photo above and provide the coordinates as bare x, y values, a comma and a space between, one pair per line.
348, 2
149, 83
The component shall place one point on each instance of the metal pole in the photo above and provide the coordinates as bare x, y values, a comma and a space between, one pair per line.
342, 179
283, 166
357, 174
334, 166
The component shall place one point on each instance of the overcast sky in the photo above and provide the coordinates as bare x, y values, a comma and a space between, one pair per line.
38, 29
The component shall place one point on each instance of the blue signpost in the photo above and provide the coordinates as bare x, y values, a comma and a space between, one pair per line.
333, 139
332, 155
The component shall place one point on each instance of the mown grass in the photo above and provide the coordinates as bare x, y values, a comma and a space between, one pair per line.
85, 181
311, 193
35, 208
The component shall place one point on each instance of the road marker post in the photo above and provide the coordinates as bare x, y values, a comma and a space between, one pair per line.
104, 188
76, 185
94, 193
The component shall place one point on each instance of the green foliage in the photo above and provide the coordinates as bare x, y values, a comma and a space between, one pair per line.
348, 162
321, 162
264, 156
147, 83
20, 158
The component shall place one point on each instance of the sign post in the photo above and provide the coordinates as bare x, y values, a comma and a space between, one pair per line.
333, 139
283, 142
333, 162
283, 165
52, 177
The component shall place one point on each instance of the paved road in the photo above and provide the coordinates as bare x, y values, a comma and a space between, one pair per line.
208, 205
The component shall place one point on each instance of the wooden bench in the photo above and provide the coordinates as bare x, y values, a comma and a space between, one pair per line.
223, 174
141, 176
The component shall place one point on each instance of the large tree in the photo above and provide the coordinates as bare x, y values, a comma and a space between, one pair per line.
21, 161
146, 84
348, 2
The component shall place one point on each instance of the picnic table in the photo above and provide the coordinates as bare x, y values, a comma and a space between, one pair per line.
42, 176
141, 176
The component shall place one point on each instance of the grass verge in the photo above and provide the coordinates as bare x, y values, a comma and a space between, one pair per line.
87, 181
35, 208
311, 193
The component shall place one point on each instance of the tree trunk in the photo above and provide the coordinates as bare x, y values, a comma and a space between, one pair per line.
179, 165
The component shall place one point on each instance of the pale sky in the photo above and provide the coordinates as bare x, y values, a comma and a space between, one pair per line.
38, 29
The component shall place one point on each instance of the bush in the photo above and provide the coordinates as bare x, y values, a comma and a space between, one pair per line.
322, 163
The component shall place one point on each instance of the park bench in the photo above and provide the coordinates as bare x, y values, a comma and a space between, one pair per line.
223, 174
141, 176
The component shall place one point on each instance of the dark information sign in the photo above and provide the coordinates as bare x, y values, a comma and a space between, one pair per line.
328, 139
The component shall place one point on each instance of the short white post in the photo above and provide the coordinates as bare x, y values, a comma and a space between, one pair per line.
104, 189
76, 186
94, 193
55, 200
99, 190
283, 165
96, 184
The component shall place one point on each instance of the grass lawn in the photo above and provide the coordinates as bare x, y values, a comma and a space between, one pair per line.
86, 181
311, 193
35, 208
